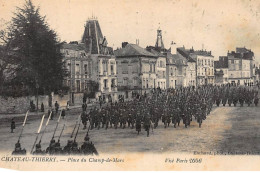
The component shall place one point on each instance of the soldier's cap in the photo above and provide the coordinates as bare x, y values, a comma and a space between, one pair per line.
70, 141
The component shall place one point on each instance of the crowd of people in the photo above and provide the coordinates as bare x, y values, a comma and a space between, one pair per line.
148, 111
170, 107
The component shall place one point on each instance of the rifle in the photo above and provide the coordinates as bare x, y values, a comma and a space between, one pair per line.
47, 122
25, 118
56, 126
78, 121
39, 130
61, 132
76, 133
88, 128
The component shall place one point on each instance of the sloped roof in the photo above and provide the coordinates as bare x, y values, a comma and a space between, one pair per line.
185, 53
133, 50
176, 59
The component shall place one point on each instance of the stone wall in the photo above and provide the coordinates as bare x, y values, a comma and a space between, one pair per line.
22, 104
14, 105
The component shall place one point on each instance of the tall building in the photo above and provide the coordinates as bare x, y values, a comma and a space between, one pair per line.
161, 53
191, 75
241, 66
136, 69
91, 64
204, 64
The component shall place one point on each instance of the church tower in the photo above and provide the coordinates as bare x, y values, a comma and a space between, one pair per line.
159, 42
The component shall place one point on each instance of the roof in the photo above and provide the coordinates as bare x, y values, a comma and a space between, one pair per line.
242, 53
156, 51
133, 50
222, 63
185, 53
176, 59
242, 50
73, 46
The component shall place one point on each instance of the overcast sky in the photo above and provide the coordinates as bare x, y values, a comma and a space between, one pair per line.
219, 25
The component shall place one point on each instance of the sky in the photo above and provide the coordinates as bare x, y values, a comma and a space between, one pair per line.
214, 25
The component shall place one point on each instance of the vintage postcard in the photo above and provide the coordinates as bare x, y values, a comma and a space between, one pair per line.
130, 85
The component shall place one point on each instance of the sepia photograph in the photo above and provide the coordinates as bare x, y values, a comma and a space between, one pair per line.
131, 85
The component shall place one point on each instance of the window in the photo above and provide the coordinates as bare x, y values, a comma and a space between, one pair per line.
112, 69
105, 83
86, 68
69, 67
78, 85
104, 63
67, 52
77, 68
163, 74
113, 83
125, 81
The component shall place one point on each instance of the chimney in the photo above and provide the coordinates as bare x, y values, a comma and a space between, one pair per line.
124, 44
137, 42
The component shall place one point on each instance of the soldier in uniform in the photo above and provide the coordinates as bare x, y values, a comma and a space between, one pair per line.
84, 107
230, 99
12, 126
147, 124
51, 149
256, 100
42, 107
38, 150
88, 148
138, 123
67, 149
18, 150
84, 119
56, 107
74, 149
199, 117
218, 101
63, 113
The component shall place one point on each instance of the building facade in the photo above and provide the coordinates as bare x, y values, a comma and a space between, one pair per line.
91, 64
241, 66
221, 70
136, 69
204, 64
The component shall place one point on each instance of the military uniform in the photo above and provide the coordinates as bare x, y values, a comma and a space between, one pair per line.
18, 150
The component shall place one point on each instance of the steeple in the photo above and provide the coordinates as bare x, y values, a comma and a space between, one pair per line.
93, 37
159, 42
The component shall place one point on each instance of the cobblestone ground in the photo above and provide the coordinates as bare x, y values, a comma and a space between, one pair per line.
225, 129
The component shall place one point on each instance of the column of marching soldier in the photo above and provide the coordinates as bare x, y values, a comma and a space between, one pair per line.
171, 106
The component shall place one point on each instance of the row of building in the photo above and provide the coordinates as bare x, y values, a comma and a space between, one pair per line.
95, 68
